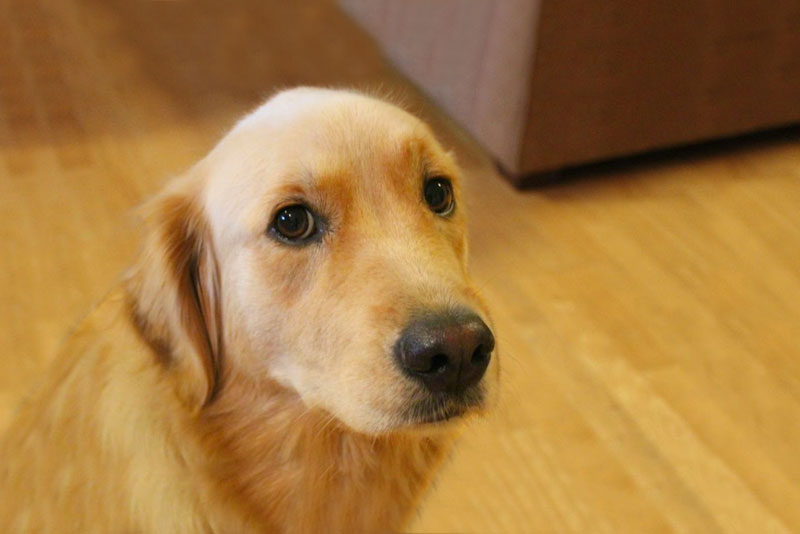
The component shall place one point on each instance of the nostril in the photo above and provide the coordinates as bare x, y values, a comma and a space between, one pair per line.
438, 364
480, 355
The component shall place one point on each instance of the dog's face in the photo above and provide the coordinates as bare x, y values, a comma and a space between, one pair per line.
338, 236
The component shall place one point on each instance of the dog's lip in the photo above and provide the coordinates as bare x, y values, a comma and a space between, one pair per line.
446, 410
442, 417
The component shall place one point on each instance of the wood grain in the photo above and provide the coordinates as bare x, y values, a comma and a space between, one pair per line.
647, 316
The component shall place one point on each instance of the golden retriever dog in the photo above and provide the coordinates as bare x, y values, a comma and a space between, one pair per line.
294, 349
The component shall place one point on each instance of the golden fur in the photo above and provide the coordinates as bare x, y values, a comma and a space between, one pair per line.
232, 384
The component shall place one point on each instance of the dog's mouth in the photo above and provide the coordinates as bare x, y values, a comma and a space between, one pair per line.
440, 408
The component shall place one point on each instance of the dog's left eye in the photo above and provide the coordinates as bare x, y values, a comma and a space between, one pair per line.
294, 223
438, 193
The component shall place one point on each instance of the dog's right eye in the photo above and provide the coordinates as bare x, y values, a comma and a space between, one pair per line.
293, 224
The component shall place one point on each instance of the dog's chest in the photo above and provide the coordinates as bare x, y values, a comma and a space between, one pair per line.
329, 481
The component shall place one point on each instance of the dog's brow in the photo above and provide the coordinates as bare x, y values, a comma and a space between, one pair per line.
419, 153
294, 189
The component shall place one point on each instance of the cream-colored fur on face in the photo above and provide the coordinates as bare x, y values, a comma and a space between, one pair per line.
236, 384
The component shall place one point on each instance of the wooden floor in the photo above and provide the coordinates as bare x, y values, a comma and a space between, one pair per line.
648, 315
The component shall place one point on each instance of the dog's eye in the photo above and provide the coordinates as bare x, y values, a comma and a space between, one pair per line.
438, 193
294, 223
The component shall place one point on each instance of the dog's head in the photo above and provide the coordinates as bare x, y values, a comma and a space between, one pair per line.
321, 245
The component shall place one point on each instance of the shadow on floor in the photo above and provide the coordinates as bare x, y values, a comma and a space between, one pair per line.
617, 167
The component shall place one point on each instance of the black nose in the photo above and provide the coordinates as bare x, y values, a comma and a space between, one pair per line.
447, 352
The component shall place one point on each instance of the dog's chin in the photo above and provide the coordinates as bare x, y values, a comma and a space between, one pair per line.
422, 413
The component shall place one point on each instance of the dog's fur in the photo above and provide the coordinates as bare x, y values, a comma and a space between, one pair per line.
235, 384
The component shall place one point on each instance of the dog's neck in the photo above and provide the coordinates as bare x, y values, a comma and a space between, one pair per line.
287, 466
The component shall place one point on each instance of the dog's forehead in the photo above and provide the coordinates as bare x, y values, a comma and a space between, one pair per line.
326, 114
312, 127
307, 139
288, 106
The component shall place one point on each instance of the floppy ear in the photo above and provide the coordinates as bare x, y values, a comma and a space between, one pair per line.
174, 286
